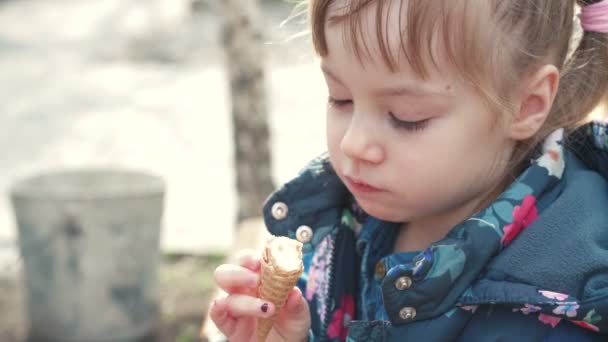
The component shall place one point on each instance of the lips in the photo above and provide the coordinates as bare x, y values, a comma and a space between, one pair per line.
360, 186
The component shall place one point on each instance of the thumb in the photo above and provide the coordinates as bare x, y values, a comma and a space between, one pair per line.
296, 307
293, 321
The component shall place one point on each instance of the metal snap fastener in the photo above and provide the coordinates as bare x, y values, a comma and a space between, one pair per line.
407, 313
380, 270
403, 283
279, 210
304, 234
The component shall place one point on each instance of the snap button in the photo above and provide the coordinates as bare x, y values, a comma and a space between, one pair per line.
380, 270
279, 210
304, 234
407, 313
403, 283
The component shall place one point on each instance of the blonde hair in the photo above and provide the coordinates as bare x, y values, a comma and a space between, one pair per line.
492, 43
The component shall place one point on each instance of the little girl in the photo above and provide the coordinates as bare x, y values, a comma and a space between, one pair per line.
464, 195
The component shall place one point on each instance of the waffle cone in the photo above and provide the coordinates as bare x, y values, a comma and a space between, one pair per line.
276, 284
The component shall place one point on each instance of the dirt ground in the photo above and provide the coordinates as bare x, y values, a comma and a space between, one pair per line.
186, 286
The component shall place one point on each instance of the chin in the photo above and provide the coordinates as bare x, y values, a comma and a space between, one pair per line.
382, 213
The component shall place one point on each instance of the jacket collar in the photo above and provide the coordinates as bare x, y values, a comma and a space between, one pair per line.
443, 274
314, 199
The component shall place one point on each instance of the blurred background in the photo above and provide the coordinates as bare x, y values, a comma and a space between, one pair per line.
149, 85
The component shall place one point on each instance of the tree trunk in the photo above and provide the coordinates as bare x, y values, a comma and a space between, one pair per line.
243, 46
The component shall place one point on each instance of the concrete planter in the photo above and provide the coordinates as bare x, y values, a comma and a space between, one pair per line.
90, 246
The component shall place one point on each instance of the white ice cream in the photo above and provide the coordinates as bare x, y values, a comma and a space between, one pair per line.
285, 253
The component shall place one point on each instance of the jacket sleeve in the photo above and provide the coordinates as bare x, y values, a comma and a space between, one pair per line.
501, 323
568, 332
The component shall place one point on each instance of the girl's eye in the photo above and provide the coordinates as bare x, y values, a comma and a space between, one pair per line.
412, 126
339, 104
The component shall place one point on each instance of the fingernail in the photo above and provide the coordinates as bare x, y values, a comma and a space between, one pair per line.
264, 307
218, 301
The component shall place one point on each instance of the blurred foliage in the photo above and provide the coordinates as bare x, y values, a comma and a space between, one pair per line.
187, 284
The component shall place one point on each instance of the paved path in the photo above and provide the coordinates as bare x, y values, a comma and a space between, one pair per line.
140, 84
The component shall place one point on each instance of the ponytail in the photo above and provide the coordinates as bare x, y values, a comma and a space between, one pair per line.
584, 81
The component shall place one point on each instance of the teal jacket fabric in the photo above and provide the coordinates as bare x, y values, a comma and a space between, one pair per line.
532, 266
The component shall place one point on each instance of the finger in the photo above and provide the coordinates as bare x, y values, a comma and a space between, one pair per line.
295, 316
295, 305
219, 315
249, 291
293, 299
249, 258
228, 276
246, 306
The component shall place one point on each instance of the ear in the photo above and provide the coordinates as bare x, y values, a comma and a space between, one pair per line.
535, 102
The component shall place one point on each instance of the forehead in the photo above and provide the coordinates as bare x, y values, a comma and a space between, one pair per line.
423, 36
372, 28
376, 36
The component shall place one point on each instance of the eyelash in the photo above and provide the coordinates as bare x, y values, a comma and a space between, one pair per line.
412, 126
338, 103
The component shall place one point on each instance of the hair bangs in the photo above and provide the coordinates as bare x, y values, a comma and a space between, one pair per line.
430, 33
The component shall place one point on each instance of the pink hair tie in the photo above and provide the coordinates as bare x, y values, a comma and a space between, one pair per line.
594, 18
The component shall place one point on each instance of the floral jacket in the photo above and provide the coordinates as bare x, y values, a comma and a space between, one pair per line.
533, 266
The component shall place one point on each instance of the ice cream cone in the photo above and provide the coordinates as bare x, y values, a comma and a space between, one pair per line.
281, 268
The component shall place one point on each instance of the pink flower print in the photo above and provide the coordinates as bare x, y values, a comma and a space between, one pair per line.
523, 215
554, 155
318, 281
586, 325
471, 308
528, 308
318, 267
311, 286
316, 276
549, 320
568, 309
341, 318
553, 295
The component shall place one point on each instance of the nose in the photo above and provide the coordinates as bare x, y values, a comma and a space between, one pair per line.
360, 143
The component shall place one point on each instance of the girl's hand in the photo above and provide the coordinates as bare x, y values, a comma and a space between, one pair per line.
236, 315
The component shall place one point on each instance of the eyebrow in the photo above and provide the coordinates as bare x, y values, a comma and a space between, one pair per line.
404, 90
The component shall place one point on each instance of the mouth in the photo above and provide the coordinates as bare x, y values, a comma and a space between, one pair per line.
360, 186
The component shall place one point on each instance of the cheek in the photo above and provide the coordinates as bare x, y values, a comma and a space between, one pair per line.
415, 175
335, 130
467, 139
452, 156
469, 161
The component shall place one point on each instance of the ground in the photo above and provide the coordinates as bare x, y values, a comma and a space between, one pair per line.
186, 285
